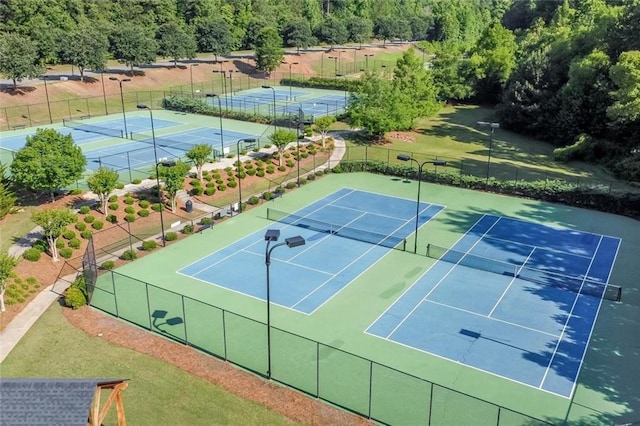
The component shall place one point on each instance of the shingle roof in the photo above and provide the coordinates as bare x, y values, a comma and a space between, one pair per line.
47, 401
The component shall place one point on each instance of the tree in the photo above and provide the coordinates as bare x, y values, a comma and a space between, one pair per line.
626, 76
298, 34
48, 161
53, 223
333, 31
133, 45
7, 196
269, 51
281, 138
199, 154
102, 182
370, 107
360, 29
86, 47
176, 42
214, 35
173, 178
7, 263
415, 87
18, 58
323, 124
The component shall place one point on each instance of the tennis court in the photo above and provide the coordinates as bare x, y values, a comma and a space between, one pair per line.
310, 275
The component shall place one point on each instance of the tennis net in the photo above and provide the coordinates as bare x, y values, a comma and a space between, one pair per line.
574, 284
92, 128
389, 241
161, 141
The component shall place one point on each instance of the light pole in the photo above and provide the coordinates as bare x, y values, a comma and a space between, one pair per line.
213, 95
252, 141
231, 86
155, 155
269, 236
299, 124
124, 117
405, 157
345, 87
191, 74
46, 91
290, 64
104, 93
493, 127
274, 105
223, 86
366, 61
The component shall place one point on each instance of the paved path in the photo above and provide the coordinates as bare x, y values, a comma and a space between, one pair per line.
21, 323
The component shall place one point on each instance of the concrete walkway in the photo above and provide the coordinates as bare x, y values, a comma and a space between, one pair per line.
21, 323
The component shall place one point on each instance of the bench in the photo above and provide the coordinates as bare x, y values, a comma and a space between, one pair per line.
18, 126
84, 117
204, 227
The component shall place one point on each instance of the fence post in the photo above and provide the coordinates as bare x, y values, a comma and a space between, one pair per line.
224, 335
370, 387
317, 369
115, 296
184, 318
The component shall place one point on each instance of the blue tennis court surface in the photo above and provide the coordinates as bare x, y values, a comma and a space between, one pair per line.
304, 278
531, 325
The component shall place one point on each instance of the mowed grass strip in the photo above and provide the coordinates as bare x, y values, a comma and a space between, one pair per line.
158, 393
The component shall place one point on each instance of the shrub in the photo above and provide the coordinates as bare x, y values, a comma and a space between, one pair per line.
251, 172
76, 191
89, 219
171, 236
210, 191
290, 163
208, 178
197, 190
267, 146
291, 185
68, 234
129, 209
41, 245
156, 207
282, 168
112, 218
210, 185
32, 281
303, 181
267, 196
73, 298
129, 255
286, 155
205, 173
80, 226
253, 200
232, 183
216, 175
113, 199
130, 218
119, 185
136, 181
260, 173
144, 213
311, 177
114, 206
187, 229
149, 245
66, 252
144, 204
206, 221
242, 175
222, 187
74, 243
129, 200
32, 254
86, 234
219, 181
97, 225
108, 265
195, 182
59, 243
85, 209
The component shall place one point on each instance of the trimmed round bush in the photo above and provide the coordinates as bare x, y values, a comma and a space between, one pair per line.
206, 221
267, 196
271, 169
290, 163
197, 190
129, 255
208, 178
114, 206
149, 245
130, 218
74, 243
291, 185
97, 225
311, 177
85, 209
205, 173
113, 199
251, 172
32, 254
253, 200
129, 200
75, 191
242, 175
144, 204
129, 209
112, 218
136, 181
89, 218
187, 229
303, 181
120, 185
144, 213
66, 252
222, 187
68, 234
219, 181
232, 183
156, 207
171, 236
80, 226
59, 243
195, 182
86, 234
210, 185
41, 245
74, 298
108, 265
260, 173
210, 191
282, 168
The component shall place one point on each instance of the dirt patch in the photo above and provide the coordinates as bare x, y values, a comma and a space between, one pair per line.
400, 136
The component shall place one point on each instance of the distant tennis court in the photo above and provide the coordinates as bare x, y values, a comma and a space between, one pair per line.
361, 226
512, 298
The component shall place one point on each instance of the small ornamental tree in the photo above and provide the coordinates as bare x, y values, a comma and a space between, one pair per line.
53, 223
48, 161
199, 154
173, 178
102, 182
323, 124
7, 263
281, 138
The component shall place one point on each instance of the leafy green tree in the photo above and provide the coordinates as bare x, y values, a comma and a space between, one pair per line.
333, 31
86, 47
449, 70
7, 196
269, 51
281, 138
133, 45
360, 29
420, 26
48, 161
298, 34
626, 76
252, 33
53, 223
370, 108
391, 27
18, 58
102, 182
173, 178
7, 263
323, 124
176, 41
214, 35
200, 154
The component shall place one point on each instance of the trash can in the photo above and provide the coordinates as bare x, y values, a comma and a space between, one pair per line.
188, 206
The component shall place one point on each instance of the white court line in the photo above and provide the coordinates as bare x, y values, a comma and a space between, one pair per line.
566, 323
511, 283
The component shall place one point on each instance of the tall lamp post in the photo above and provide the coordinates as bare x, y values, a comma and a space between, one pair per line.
345, 88
290, 64
155, 155
272, 235
213, 95
493, 127
191, 74
104, 93
124, 117
405, 157
251, 141
274, 105
46, 91
223, 86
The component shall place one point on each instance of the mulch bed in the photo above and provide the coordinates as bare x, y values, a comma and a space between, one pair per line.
289, 403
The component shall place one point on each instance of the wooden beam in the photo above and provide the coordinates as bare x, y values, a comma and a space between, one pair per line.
96, 415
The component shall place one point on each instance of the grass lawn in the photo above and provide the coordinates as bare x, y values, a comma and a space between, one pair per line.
158, 392
14, 226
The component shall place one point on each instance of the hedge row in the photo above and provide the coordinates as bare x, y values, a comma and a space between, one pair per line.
198, 106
